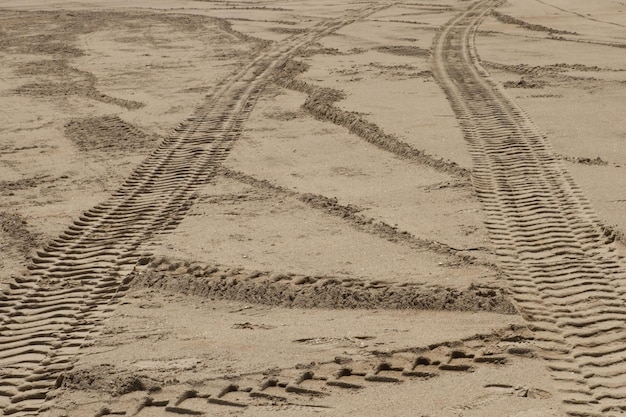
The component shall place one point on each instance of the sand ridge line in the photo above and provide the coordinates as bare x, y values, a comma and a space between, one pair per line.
310, 384
425, 26
233, 7
566, 279
351, 215
95, 254
553, 72
427, 6
305, 291
559, 38
404, 50
579, 14
245, 19
538, 28
320, 104
592, 42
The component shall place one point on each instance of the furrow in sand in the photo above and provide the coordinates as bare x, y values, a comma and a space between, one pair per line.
295, 290
567, 281
152, 200
351, 215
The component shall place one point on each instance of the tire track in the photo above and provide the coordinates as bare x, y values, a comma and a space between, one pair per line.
566, 279
75, 280
306, 291
308, 385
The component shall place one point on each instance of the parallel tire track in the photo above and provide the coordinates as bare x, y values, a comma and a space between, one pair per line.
567, 280
75, 280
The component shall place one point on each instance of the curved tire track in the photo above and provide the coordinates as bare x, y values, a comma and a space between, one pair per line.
567, 280
75, 280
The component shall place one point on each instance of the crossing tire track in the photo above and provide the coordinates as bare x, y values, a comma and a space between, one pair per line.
75, 281
310, 385
566, 279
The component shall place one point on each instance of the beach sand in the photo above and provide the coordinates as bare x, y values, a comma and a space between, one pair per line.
312, 208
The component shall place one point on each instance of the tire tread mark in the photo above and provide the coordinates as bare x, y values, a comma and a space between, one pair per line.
92, 257
565, 278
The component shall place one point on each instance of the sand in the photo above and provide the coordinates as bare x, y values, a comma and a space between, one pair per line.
312, 208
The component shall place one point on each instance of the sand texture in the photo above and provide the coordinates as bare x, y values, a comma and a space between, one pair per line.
308, 208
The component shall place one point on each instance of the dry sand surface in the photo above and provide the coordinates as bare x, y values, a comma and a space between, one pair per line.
312, 208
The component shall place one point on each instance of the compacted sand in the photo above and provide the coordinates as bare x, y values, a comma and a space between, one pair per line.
301, 207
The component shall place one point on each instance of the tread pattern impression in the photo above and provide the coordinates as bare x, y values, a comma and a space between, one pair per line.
309, 385
74, 281
565, 277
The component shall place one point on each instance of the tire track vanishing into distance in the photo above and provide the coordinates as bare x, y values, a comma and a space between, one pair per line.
565, 277
75, 280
